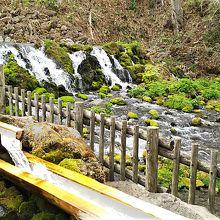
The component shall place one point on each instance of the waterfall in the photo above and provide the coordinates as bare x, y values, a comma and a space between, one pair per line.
122, 73
106, 65
77, 58
37, 63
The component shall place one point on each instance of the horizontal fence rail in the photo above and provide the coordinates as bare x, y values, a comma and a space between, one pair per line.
21, 104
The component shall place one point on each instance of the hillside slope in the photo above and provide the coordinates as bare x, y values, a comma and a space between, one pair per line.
194, 50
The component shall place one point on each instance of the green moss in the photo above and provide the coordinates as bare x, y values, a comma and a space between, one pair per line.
118, 101
151, 73
42, 91
82, 96
82, 47
27, 210
173, 130
196, 121
154, 113
135, 70
147, 99
85, 132
213, 104
53, 156
104, 89
11, 198
107, 109
72, 164
66, 99
132, 115
117, 159
60, 54
160, 100
116, 88
151, 122
141, 167
43, 216
16, 75
96, 85
125, 59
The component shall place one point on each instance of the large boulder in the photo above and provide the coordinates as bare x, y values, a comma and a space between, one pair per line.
55, 143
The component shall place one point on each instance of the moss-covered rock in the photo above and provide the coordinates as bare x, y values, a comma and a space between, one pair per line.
118, 101
80, 47
17, 76
154, 113
72, 164
196, 121
65, 100
82, 96
91, 73
147, 99
104, 89
117, 159
142, 167
151, 122
42, 91
132, 115
116, 88
44, 216
173, 130
60, 55
27, 210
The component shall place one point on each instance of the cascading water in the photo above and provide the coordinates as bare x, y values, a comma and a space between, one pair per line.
37, 63
123, 74
107, 67
77, 58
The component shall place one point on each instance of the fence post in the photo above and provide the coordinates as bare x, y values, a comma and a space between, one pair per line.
112, 149
123, 149
43, 104
29, 106
212, 180
2, 90
51, 104
36, 105
68, 119
23, 102
176, 165
92, 129
60, 111
79, 117
16, 101
135, 153
152, 158
193, 173
101, 137
10, 100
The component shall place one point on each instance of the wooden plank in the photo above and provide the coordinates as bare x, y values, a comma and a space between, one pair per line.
135, 153
51, 102
152, 158
71, 204
2, 91
112, 149
23, 102
60, 113
18, 131
79, 117
36, 107
10, 101
29, 109
101, 138
68, 120
43, 105
123, 148
92, 130
212, 180
176, 165
193, 173
16, 101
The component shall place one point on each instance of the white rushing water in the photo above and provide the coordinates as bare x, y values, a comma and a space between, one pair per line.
37, 63
77, 58
107, 67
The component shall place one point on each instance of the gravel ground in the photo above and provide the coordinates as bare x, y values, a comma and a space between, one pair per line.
163, 200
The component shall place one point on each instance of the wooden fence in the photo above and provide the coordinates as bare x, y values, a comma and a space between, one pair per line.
21, 103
